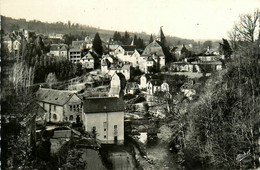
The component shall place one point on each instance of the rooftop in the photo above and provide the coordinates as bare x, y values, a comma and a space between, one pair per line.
58, 97
129, 47
103, 104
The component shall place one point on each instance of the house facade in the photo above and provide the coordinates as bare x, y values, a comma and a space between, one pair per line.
104, 119
117, 85
88, 61
145, 78
155, 51
125, 70
75, 55
153, 86
59, 50
61, 106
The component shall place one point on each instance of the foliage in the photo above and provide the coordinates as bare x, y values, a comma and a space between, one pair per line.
97, 44
51, 78
74, 160
126, 38
217, 127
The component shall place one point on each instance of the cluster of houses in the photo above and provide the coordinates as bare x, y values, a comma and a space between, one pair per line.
104, 116
15, 40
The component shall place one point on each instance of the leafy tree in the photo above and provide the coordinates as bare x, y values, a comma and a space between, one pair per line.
135, 40
140, 43
225, 49
117, 36
51, 78
126, 38
97, 44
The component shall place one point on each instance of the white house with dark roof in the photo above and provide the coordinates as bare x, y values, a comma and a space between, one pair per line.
88, 61
125, 70
153, 86
126, 53
152, 51
117, 85
104, 119
145, 78
62, 106
59, 50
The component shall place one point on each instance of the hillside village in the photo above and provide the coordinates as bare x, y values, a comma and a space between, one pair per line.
109, 93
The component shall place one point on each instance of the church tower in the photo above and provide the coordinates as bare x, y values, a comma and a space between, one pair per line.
161, 36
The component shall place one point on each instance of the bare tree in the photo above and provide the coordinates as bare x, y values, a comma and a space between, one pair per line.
246, 28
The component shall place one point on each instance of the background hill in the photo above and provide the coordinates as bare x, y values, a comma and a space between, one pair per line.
9, 24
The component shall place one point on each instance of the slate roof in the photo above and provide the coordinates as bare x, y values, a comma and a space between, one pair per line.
150, 59
104, 104
57, 97
153, 48
129, 47
88, 56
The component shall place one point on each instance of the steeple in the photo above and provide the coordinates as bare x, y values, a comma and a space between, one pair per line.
132, 43
161, 36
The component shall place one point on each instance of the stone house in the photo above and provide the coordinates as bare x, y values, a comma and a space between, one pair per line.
104, 119
61, 105
88, 61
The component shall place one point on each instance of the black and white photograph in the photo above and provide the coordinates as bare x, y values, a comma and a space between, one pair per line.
130, 84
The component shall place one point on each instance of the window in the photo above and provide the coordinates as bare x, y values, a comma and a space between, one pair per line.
54, 116
105, 129
50, 107
54, 108
115, 126
70, 107
71, 117
105, 136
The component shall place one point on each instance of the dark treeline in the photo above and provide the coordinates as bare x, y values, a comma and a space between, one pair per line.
75, 29
127, 40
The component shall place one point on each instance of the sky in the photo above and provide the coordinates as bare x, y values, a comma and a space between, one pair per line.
192, 19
